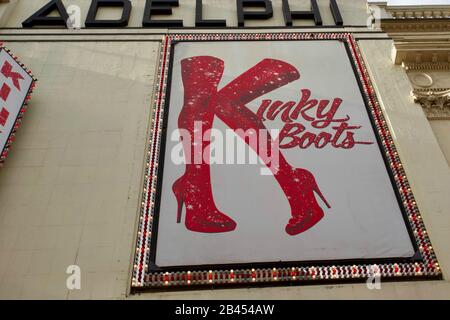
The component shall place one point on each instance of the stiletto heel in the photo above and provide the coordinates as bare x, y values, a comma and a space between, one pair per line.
180, 207
176, 191
180, 210
320, 194
317, 190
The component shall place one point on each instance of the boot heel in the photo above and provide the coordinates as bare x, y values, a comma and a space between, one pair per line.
320, 194
180, 201
180, 207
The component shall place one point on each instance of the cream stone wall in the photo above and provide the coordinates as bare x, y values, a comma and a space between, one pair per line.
441, 129
434, 85
70, 188
6, 9
431, 80
69, 191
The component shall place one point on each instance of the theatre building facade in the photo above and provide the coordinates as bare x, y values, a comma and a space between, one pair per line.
224, 149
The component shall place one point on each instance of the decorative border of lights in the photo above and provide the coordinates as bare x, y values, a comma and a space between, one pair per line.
143, 278
23, 109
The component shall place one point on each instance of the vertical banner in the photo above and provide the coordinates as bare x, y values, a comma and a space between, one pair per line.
16, 84
271, 161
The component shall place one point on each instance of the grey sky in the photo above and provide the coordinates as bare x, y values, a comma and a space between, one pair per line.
415, 2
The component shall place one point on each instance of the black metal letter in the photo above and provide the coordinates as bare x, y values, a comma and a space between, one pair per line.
41, 18
303, 15
253, 15
92, 22
160, 7
336, 13
199, 22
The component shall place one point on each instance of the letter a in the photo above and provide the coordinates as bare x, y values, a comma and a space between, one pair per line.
41, 18
73, 282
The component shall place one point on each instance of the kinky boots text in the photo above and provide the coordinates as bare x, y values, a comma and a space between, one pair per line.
320, 114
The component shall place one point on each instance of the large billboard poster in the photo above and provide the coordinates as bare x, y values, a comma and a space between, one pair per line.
16, 84
270, 160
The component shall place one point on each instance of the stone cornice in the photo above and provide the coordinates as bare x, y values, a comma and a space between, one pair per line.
431, 55
416, 25
413, 11
419, 12
419, 18
422, 46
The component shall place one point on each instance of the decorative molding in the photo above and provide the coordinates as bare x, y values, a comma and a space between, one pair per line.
422, 79
429, 66
420, 13
415, 25
433, 89
435, 102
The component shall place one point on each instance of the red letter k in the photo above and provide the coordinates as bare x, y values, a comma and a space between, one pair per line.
8, 73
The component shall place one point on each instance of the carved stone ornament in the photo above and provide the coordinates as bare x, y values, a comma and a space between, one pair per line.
435, 103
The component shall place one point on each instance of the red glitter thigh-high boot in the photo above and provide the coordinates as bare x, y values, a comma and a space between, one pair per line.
299, 185
201, 76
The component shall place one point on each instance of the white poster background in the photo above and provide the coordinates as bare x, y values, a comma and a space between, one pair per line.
15, 99
365, 220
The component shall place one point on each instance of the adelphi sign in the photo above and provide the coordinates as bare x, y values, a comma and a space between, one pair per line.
245, 10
